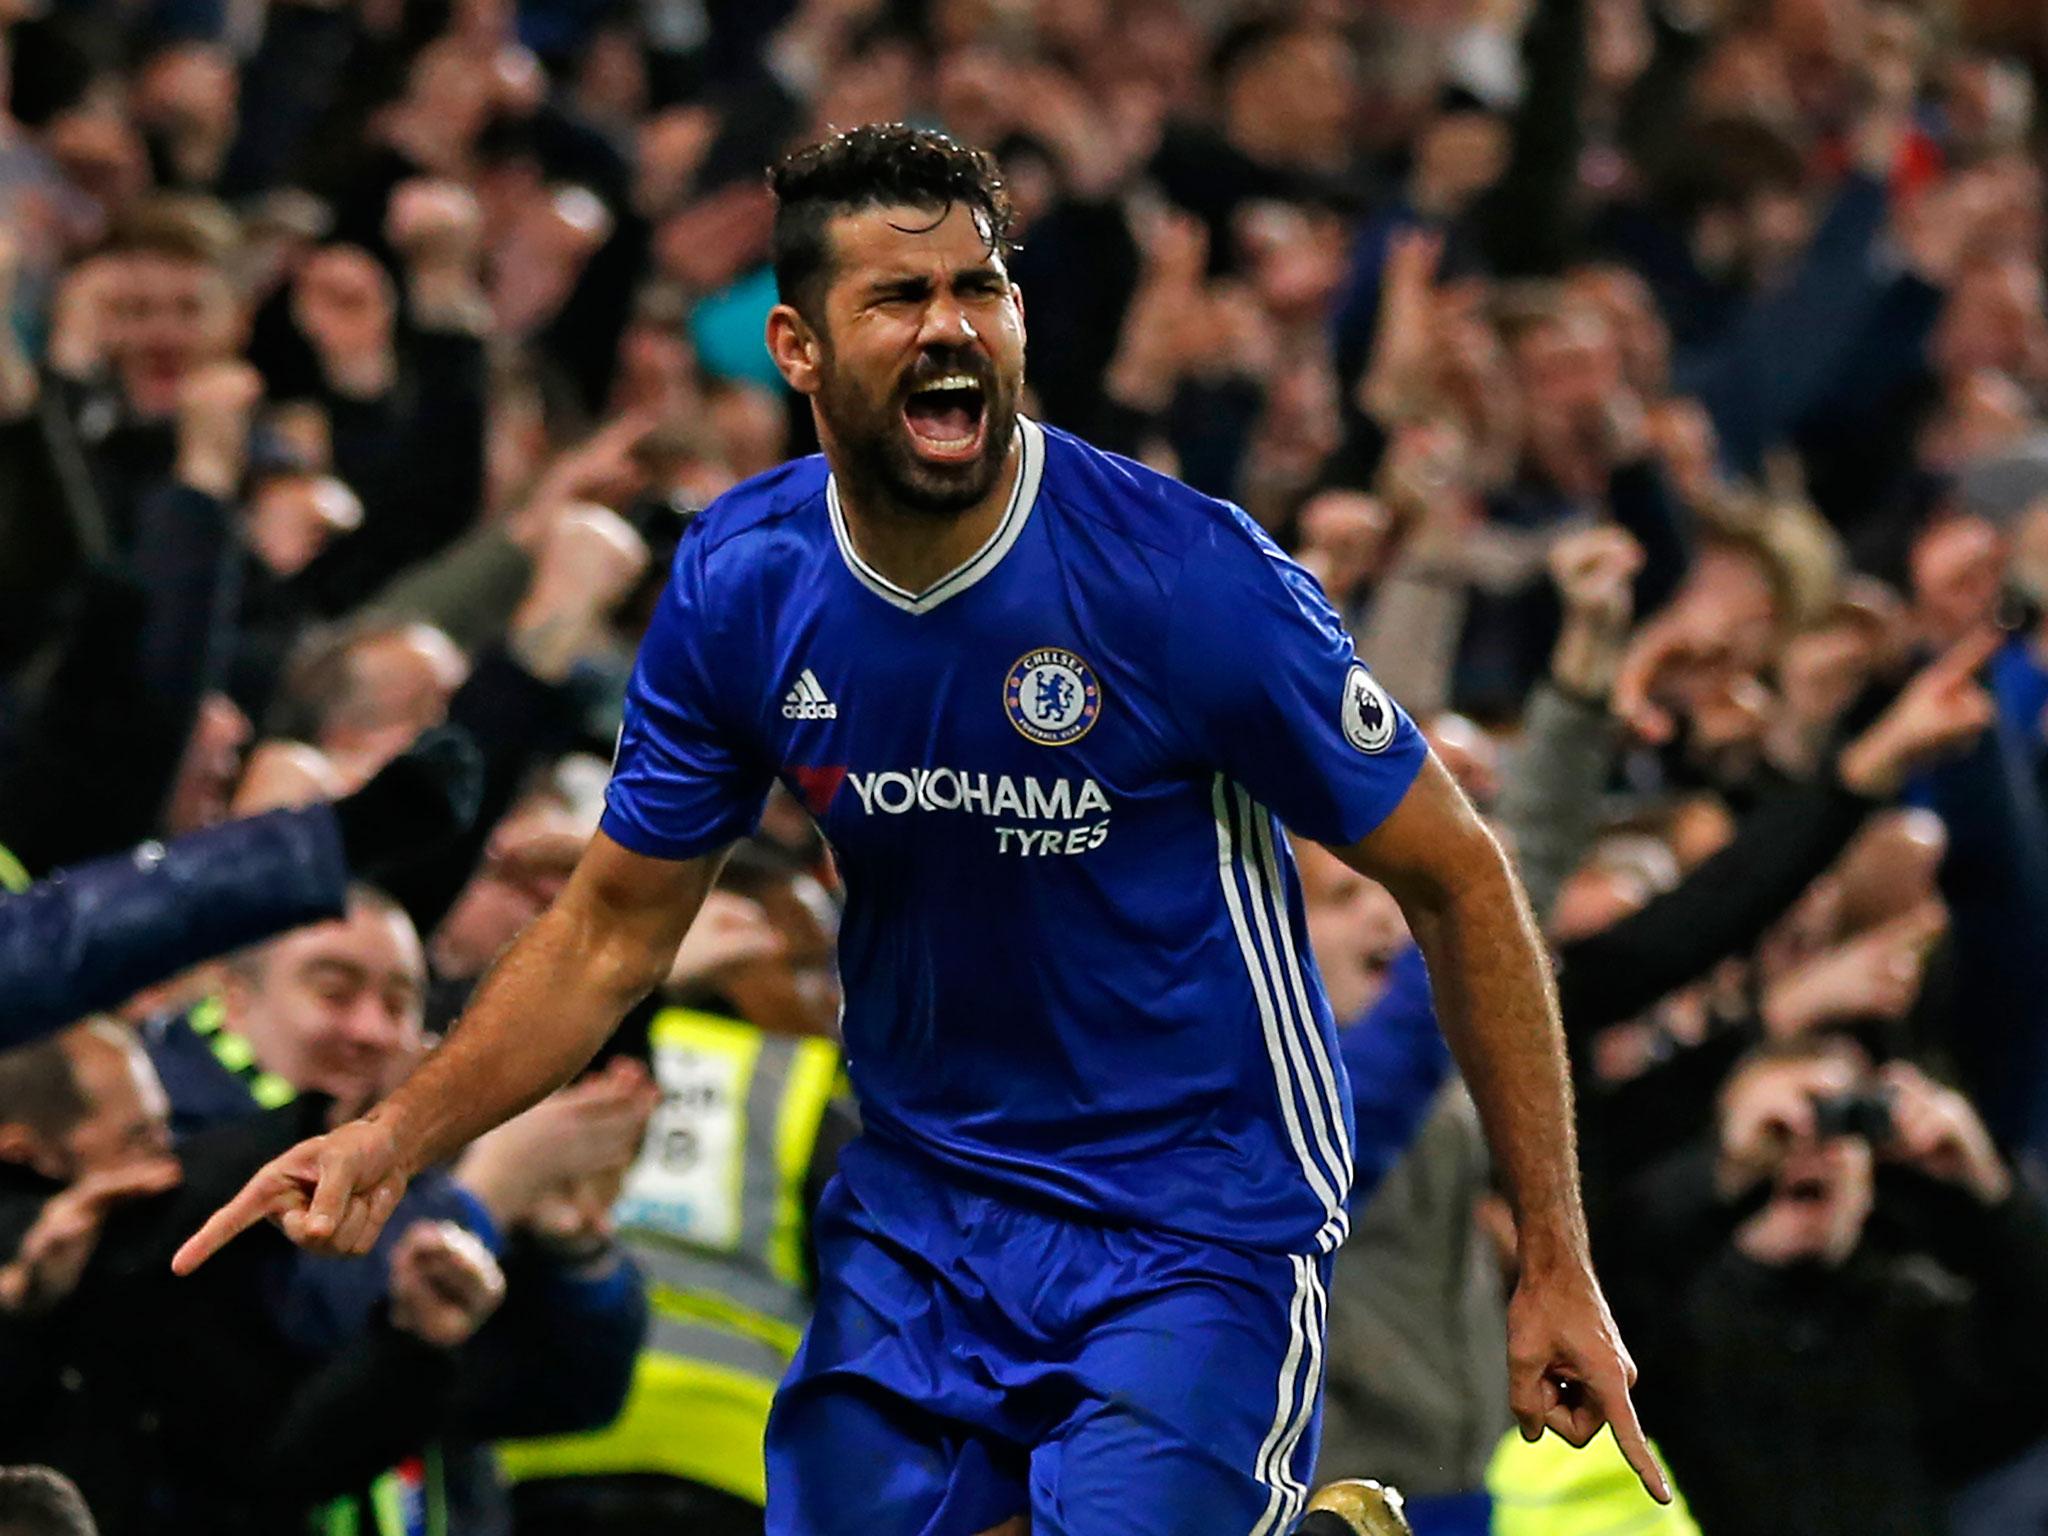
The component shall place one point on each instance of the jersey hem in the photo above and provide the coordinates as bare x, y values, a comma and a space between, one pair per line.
1346, 836
1047, 1202
636, 840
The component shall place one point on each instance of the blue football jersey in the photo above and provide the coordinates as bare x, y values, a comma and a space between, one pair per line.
1075, 964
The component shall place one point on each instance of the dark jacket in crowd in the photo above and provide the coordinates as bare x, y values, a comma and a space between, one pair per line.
556, 1358
416, 458
175, 1405
1721, 908
93, 734
92, 935
1812, 1401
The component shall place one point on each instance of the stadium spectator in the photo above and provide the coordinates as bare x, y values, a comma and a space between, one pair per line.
1417, 1336
1425, 1299
118, 1375
752, 1104
1855, 1252
333, 1012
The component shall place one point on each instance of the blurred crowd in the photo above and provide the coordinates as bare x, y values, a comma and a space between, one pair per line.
1659, 388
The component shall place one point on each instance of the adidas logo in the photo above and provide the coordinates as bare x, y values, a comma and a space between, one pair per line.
807, 701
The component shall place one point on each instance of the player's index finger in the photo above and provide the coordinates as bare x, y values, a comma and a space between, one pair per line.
223, 1227
1635, 1445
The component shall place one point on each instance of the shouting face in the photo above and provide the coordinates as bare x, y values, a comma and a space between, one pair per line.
165, 318
914, 356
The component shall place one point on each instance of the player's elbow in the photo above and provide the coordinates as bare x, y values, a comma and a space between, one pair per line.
1464, 865
632, 960
618, 955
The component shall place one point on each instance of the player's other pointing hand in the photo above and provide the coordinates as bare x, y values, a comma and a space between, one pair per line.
330, 1195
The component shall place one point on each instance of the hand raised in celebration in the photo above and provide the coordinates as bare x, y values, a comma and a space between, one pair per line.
331, 1194
58, 1245
1594, 570
1935, 1129
1942, 710
593, 1127
444, 1284
1396, 384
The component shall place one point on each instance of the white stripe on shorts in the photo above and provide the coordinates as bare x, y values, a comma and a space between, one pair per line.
1295, 1393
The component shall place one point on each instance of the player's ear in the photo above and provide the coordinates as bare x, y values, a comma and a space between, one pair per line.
795, 348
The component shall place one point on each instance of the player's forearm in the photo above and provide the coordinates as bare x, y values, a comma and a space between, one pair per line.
1498, 1010
537, 1018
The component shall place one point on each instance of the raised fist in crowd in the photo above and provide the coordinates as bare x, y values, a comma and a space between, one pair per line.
215, 404
444, 1284
589, 560
589, 1129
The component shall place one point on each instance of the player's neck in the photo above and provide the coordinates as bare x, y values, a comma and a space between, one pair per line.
916, 550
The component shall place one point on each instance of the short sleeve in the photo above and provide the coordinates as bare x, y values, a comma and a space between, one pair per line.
683, 782
1268, 689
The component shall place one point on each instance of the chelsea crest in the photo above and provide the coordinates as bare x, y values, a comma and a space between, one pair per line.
1052, 696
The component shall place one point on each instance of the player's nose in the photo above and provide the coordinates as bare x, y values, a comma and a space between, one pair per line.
947, 324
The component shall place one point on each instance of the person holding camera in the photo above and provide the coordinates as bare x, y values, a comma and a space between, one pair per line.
1842, 1300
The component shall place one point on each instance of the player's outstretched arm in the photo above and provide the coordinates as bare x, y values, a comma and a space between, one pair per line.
538, 1017
1495, 1000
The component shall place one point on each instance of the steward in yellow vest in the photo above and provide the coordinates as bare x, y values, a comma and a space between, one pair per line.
1549, 1489
716, 1214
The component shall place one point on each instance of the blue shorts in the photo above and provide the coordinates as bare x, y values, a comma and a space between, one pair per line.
971, 1359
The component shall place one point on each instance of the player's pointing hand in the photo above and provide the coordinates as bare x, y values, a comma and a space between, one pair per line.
331, 1195
1569, 1370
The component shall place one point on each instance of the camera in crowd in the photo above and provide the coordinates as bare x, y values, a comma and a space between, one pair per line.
1865, 1113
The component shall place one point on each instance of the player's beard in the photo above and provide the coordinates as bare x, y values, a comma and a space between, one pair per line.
874, 439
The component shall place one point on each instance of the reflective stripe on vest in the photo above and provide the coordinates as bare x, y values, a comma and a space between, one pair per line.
1549, 1489
411, 1500
209, 1021
713, 1212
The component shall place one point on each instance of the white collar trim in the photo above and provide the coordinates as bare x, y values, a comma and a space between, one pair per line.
1023, 496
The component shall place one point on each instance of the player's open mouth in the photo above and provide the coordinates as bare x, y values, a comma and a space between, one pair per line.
947, 418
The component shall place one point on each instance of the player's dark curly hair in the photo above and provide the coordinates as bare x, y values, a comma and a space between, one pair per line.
873, 166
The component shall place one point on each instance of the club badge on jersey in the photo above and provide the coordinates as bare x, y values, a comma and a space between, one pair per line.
1052, 696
